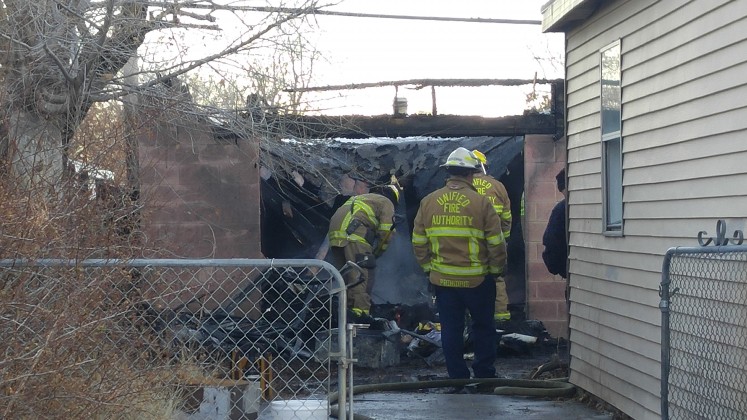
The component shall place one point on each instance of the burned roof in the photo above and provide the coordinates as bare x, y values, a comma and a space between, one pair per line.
301, 189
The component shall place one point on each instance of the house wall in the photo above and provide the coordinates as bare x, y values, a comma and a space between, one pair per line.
684, 98
200, 195
545, 294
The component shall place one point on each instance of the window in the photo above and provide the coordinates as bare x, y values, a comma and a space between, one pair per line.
611, 97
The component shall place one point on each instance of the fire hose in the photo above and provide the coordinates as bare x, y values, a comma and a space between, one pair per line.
559, 388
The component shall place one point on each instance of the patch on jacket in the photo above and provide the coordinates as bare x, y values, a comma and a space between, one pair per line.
453, 283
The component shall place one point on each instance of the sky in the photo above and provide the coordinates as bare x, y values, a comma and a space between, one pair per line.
367, 50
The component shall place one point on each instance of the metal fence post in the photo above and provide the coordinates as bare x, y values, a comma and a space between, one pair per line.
664, 307
703, 303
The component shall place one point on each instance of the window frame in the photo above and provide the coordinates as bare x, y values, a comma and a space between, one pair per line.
611, 196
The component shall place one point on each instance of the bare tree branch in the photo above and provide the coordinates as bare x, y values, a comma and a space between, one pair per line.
223, 53
59, 58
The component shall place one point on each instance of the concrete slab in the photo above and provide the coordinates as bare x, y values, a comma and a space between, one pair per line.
435, 406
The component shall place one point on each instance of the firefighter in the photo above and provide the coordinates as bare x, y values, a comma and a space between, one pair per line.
495, 191
360, 231
458, 241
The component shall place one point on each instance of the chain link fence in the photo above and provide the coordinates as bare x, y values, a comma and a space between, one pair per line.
172, 339
704, 333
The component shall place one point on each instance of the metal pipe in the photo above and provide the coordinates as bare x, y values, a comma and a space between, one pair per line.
664, 307
342, 357
352, 331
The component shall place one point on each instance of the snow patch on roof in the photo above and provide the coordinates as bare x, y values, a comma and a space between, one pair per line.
387, 140
373, 140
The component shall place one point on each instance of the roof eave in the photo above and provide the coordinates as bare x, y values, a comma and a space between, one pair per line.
564, 15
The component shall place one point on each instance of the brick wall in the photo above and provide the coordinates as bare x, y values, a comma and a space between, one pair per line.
201, 195
543, 158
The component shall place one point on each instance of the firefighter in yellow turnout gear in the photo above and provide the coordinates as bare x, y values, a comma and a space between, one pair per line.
359, 231
458, 241
495, 192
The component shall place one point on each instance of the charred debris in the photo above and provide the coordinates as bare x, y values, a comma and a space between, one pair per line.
301, 190
306, 173
309, 166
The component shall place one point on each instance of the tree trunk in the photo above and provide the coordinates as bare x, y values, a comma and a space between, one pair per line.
130, 102
35, 152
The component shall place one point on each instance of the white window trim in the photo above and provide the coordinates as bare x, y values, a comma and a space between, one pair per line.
607, 228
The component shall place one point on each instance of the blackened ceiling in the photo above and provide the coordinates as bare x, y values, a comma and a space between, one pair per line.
295, 216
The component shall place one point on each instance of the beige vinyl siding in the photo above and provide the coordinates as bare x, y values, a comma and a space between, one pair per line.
727, 122
616, 292
585, 142
652, 243
585, 123
622, 345
633, 261
686, 189
633, 402
683, 237
589, 151
728, 164
721, 63
711, 34
724, 207
684, 100
588, 166
585, 197
584, 85
685, 148
694, 109
589, 106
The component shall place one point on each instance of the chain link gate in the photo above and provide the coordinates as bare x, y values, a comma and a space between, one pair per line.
704, 330
212, 339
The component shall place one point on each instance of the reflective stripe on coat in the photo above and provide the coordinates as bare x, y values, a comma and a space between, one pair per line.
496, 192
375, 212
457, 236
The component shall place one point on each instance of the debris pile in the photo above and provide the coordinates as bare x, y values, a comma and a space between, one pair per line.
290, 315
420, 332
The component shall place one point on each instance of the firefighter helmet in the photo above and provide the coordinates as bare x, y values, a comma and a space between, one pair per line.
483, 160
462, 158
480, 156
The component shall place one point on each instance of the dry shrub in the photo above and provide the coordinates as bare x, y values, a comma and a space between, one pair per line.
72, 347
77, 350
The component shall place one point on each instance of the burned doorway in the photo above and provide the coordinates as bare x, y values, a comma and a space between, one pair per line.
299, 198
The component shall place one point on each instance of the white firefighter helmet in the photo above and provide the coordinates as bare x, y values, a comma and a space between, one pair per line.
462, 158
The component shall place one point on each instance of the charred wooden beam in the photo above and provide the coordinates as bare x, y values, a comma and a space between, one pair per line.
357, 126
421, 83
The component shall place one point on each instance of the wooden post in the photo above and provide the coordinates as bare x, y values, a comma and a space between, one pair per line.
238, 363
265, 377
433, 98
